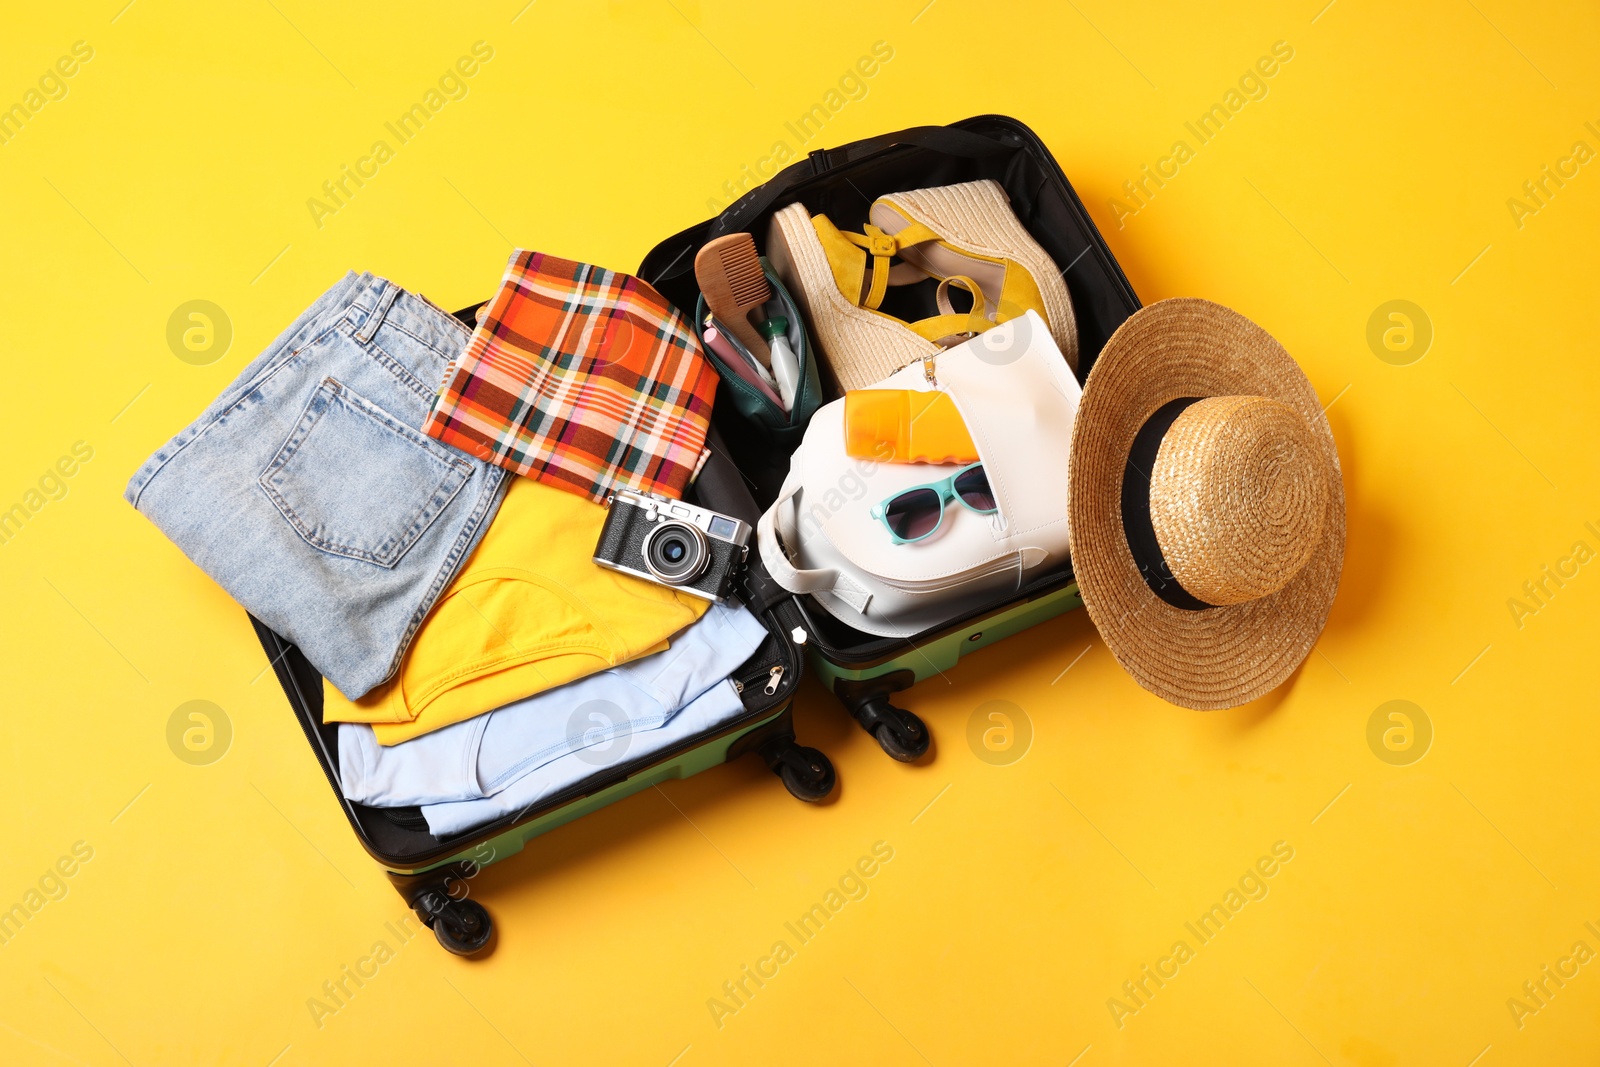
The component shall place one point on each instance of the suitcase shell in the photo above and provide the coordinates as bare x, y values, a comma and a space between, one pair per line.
433, 873
863, 670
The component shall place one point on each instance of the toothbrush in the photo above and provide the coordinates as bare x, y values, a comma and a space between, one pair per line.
754, 373
785, 366
730, 348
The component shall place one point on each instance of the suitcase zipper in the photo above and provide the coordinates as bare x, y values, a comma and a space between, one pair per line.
774, 680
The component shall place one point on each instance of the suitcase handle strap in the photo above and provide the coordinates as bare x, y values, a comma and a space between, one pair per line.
947, 139
950, 141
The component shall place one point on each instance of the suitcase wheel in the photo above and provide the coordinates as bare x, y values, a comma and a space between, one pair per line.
462, 926
806, 773
900, 733
906, 739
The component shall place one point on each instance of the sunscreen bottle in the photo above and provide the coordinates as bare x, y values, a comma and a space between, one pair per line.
905, 426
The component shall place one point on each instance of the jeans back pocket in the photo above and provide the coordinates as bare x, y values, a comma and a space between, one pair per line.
354, 481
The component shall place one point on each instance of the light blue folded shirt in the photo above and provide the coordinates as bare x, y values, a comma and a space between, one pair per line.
582, 726
709, 710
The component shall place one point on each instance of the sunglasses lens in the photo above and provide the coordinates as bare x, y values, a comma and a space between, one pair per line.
972, 486
914, 514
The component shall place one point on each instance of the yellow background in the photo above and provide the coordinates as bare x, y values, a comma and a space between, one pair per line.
1021, 896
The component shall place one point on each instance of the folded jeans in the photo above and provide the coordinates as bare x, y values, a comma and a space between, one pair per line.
309, 493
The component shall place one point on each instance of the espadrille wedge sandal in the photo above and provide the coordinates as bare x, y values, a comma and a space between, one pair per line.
964, 236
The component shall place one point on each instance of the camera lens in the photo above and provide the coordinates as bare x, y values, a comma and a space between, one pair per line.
676, 553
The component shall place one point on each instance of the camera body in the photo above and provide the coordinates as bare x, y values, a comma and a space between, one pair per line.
672, 543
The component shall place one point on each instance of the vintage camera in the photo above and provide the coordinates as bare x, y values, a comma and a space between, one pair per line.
672, 543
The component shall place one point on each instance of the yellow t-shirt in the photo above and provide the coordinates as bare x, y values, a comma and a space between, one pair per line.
531, 610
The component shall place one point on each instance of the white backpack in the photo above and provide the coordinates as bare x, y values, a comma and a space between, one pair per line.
1018, 398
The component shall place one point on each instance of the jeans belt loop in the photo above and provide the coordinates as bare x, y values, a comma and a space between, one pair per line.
386, 298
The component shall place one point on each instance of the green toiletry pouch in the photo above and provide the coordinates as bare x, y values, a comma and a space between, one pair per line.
782, 429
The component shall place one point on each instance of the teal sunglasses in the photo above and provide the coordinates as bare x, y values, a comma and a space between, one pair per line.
914, 514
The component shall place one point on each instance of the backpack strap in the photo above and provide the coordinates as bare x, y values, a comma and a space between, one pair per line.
778, 523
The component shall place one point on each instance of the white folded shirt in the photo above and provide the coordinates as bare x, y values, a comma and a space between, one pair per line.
710, 709
484, 755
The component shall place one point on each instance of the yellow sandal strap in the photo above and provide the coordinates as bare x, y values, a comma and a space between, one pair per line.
847, 262
939, 327
883, 247
849, 254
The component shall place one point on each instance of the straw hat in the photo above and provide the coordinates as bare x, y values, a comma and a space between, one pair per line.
1205, 506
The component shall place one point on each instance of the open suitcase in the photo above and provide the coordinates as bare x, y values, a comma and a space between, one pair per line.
863, 671
740, 479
